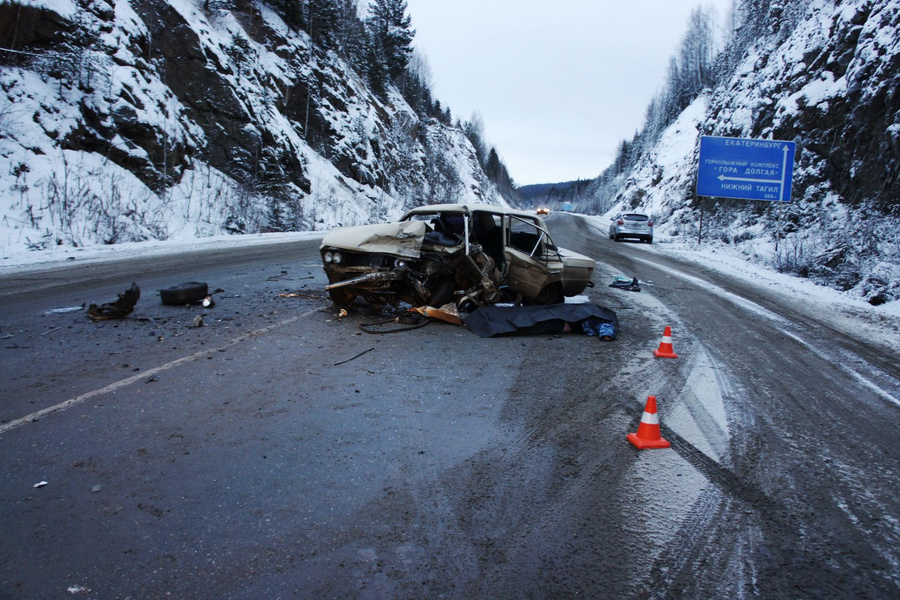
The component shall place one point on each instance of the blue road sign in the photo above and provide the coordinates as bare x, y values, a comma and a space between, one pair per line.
745, 168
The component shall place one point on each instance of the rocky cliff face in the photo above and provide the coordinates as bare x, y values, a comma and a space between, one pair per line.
143, 119
832, 85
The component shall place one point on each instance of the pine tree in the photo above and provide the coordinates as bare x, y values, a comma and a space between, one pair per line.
389, 27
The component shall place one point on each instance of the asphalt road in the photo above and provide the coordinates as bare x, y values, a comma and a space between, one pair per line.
277, 451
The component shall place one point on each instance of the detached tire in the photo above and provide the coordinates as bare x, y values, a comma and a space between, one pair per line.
185, 293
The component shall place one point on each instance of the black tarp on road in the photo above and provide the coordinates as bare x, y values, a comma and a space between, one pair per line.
488, 321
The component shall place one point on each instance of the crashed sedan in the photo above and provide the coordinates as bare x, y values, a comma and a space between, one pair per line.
478, 254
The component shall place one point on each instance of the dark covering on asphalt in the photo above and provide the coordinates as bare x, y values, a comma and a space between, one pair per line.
488, 321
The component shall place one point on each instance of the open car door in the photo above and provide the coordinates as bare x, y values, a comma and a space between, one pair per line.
534, 267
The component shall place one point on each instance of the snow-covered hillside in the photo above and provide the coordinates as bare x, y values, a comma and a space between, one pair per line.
125, 120
832, 85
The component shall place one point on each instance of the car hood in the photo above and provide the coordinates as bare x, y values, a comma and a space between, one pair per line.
397, 239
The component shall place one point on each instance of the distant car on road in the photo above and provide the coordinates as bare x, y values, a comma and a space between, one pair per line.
453, 252
634, 225
543, 210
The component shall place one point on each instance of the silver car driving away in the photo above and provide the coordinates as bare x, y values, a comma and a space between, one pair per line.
436, 254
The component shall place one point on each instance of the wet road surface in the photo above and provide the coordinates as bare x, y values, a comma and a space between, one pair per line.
277, 451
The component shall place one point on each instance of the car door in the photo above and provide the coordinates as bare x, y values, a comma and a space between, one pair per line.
532, 260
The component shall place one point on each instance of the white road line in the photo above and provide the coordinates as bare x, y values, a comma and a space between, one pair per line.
5, 427
781, 324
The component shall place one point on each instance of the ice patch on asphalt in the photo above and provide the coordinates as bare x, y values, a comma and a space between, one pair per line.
700, 417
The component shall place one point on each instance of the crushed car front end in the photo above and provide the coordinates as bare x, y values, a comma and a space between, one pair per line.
406, 261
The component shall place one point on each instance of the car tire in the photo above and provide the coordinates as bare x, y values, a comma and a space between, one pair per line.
185, 293
341, 297
551, 294
616, 237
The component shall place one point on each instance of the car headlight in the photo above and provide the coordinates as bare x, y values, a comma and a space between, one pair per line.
399, 264
336, 257
328, 257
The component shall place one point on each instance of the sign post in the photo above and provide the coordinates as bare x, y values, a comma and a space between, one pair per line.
745, 168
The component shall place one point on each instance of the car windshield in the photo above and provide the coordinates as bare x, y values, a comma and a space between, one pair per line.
445, 222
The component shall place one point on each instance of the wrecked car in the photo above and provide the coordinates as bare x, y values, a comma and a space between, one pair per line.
436, 254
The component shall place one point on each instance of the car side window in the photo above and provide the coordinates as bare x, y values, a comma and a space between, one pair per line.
527, 237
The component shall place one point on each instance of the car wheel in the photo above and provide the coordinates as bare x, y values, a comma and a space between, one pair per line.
342, 296
185, 293
551, 294
616, 237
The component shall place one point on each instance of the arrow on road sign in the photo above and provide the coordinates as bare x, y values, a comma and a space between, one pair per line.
724, 178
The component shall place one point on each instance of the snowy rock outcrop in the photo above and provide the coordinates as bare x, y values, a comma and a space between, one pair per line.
125, 120
831, 84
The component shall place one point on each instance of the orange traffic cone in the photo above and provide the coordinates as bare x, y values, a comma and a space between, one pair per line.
647, 435
665, 349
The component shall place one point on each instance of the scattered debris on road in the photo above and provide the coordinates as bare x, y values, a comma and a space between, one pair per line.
623, 283
353, 357
185, 293
122, 307
448, 312
64, 310
409, 321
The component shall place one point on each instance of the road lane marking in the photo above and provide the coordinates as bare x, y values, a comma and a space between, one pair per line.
35, 416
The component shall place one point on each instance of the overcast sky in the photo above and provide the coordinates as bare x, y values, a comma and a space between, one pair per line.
558, 84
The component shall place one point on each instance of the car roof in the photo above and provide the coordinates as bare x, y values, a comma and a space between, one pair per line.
467, 208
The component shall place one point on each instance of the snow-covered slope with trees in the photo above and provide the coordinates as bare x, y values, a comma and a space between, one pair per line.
822, 73
127, 120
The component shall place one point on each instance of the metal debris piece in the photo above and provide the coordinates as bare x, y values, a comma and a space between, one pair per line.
40, 484
118, 309
353, 357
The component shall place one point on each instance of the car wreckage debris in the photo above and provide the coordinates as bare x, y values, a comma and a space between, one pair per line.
122, 307
185, 293
410, 321
354, 357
